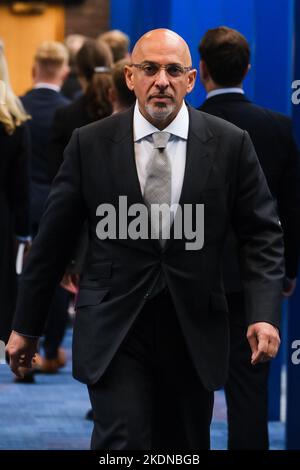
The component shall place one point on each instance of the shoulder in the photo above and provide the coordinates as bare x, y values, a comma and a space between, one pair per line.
280, 124
282, 120
63, 100
17, 137
112, 127
28, 95
216, 125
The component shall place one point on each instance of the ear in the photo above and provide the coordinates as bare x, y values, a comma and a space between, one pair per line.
204, 73
112, 95
191, 80
247, 70
65, 72
33, 71
129, 77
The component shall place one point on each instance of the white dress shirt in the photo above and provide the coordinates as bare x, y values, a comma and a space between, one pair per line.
176, 147
221, 91
49, 86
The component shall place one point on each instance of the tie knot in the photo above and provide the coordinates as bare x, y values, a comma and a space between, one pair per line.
160, 139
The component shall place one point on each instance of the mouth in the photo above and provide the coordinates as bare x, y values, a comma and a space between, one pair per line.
161, 98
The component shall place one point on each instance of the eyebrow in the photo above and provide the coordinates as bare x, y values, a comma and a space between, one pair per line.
169, 63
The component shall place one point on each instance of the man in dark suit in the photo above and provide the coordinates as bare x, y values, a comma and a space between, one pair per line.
151, 329
41, 102
225, 57
49, 71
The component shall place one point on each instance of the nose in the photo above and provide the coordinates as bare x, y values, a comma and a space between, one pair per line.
162, 80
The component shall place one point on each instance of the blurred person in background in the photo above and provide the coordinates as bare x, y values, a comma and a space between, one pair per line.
225, 62
14, 193
71, 88
93, 61
118, 42
49, 71
120, 96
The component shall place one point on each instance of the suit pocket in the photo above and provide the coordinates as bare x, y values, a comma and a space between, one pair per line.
218, 302
101, 270
213, 189
90, 297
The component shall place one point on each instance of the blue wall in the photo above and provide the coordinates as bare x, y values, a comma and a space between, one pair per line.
267, 24
272, 28
293, 329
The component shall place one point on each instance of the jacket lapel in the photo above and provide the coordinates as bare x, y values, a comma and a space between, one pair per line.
201, 150
201, 146
123, 169
199, 158
122, 160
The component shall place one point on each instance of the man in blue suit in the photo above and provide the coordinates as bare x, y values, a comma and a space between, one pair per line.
49, 72
225, 61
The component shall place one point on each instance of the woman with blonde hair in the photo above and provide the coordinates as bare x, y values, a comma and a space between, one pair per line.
12, 112
14, 192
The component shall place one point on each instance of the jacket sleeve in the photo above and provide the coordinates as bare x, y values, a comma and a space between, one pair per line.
51, 250
19, 183
259, 233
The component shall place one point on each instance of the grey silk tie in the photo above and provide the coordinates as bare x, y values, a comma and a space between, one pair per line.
158, 183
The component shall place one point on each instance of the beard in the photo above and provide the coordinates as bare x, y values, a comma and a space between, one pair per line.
160, 111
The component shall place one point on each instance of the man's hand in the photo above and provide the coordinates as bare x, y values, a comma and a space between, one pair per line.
70, 282
21, 351
264, 341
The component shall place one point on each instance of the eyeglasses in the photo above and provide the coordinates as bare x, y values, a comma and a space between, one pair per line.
152, 68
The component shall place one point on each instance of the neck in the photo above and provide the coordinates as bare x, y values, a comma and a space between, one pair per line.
210, 85
118, 108
48, 81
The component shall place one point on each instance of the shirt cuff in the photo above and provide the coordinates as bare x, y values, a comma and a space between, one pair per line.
26, 336
24, 239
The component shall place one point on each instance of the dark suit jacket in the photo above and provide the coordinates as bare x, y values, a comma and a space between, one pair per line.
41, 104
66, 120
222, 172
271, 134
14, 215
71, 88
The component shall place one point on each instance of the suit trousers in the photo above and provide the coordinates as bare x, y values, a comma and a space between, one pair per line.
150, 396
246, 389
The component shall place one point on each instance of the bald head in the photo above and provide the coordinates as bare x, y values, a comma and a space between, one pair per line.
163, 42
160, 75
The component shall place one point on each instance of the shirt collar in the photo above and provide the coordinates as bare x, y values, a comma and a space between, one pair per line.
221, 91
178, 127
49, 86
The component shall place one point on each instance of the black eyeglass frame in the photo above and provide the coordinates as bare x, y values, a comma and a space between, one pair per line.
181, 69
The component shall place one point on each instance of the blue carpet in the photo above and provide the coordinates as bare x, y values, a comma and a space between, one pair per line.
50, 413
